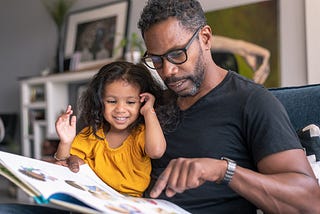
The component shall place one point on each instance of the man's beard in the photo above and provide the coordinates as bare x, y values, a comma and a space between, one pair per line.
195, 79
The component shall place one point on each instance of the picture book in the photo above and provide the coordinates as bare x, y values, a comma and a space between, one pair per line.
83, 191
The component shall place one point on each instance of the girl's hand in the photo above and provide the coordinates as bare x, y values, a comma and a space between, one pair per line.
66, 127
73, 163
149, 100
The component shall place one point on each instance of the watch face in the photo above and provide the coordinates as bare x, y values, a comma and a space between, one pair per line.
227, 159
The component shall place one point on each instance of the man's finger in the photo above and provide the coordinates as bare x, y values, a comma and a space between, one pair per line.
170, 192
161, 183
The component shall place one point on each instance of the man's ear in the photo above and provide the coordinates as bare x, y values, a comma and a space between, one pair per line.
206, 35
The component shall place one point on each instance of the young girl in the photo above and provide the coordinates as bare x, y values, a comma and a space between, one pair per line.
121, 131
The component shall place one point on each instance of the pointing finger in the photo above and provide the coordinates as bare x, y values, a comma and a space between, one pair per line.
161, 183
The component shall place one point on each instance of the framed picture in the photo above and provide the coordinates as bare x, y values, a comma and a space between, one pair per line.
93, 34
246, 40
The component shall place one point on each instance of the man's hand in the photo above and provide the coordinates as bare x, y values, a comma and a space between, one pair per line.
188, 173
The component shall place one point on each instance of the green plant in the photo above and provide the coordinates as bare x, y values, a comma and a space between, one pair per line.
58, 10
133, 43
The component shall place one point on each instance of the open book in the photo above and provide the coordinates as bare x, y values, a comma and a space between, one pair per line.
83, 191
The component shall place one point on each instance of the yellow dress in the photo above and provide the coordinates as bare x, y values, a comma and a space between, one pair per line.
126, 169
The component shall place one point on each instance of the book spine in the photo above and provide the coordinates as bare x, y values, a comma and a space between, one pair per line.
40, 200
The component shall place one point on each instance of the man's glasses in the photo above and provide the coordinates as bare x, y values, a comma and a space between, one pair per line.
177, 56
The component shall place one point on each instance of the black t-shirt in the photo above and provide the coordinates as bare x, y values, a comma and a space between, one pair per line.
238, 119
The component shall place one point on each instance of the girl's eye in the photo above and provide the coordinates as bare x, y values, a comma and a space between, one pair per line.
131, 102
110, 101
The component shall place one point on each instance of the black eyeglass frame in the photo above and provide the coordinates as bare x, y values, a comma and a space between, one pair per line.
167, 54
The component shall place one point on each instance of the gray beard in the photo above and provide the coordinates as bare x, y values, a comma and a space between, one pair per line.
196, 79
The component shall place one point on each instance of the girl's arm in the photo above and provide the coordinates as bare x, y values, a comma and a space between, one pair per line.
155, 144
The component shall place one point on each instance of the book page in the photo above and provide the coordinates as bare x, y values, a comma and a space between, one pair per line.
85, 188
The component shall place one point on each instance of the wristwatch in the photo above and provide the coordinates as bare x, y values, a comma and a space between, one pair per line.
231, 168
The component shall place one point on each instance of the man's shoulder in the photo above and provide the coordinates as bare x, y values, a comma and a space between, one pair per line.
240, 80
239, 85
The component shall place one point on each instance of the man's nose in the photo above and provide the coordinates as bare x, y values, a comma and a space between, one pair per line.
169, 69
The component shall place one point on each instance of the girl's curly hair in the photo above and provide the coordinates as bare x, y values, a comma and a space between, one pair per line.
91, 106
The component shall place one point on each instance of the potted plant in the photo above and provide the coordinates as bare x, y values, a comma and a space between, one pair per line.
134, 47
58, 10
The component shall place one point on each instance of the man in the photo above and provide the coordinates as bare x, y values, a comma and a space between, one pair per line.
233, 148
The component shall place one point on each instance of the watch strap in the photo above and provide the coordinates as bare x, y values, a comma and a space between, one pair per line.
231, 168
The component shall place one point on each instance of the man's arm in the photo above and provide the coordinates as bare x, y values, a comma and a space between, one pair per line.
285, 182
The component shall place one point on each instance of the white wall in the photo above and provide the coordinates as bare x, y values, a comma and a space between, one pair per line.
312, 10
292, 43
209, 5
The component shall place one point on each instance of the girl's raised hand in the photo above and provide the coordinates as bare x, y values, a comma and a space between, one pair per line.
66, 126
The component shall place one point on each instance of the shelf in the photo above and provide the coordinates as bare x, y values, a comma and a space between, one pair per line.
67, 77
43, 99
36, 105
28, 137
40, 123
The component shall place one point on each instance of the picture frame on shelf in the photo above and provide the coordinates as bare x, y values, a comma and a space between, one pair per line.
94, 34
37, 93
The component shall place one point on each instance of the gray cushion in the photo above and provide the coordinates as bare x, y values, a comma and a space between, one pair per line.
302, 104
